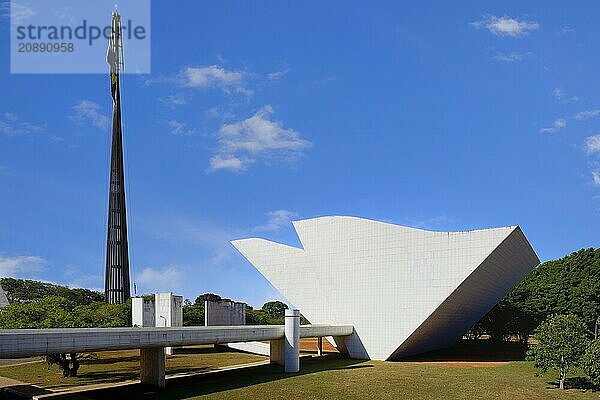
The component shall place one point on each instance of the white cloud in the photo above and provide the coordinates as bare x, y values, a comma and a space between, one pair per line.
231, 163
596, 178
277, 220
88, 111
179, 128
557, 125
21, 265
506, 26
18, 13
273, 76
213, 76
257, 137
12, 126
512, 57
592, 144
560, 94
173, 100
152, 280
583, 115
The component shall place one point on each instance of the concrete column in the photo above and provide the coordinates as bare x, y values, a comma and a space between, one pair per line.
292, 340
152, 363
276, 351
319, 346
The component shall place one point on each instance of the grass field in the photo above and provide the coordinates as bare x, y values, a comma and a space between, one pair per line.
331, 377
115, 366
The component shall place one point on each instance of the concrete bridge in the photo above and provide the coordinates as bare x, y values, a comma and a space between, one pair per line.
17, 343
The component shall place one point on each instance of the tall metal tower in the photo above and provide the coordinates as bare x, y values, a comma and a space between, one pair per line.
116, 284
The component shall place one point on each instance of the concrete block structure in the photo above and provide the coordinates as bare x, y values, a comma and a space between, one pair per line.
224, 313
142, 312
405, 290
164, 311
231, 313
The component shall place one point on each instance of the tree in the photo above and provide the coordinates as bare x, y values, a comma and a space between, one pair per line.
275, 309
570, 285
562, 341
60, 312
193, 314
21, 290
208, 296
591, 362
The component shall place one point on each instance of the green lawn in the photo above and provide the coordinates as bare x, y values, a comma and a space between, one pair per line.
115, 366
330, 377
347, 379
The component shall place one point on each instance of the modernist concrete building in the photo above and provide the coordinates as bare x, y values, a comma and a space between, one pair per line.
165, 310
405, 290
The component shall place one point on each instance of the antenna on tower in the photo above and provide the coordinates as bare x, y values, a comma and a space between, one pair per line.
114, 55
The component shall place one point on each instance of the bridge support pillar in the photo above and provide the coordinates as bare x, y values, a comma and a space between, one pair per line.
292, 341
276, 352
152, 363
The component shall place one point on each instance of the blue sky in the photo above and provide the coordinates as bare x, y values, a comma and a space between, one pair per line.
434, 115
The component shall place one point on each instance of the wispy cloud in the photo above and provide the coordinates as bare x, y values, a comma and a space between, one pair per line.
583, 115
258, 137
557, 125
19, 265
86, 111
560, 94
152, 280
512, 57
596, 178
18, 13
592, 144
274, 76
231, 163
173, 100
11, 125
179, 128
214, 76
506, 26
276, 220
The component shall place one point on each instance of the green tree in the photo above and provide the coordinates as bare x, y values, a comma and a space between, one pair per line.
570, 285
60, 312
103, 315
275, 309
561, 343
21, 290
193, 314
591, 362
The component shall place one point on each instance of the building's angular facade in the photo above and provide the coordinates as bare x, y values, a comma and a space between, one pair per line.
405, 290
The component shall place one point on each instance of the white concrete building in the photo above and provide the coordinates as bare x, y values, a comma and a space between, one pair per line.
164, 311
405, 290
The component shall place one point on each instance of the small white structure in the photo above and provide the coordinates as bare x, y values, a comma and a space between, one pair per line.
231, 313
224, 313
164, 311
142, 312
292, 341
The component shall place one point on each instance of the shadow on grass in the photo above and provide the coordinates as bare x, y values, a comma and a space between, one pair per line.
112, 360
475, 351
577, 383
186, 387
202, 350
